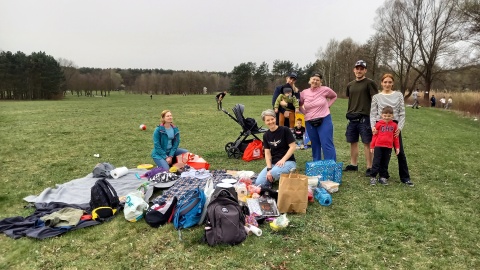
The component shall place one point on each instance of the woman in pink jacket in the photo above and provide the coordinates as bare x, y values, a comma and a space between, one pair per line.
315, 104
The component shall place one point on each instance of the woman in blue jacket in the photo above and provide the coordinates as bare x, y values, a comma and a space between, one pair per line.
166, 139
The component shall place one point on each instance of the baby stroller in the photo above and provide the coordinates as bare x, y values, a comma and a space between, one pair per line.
249, 128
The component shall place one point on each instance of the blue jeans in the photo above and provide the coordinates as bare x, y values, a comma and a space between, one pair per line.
322, 139
276, 171
163, 163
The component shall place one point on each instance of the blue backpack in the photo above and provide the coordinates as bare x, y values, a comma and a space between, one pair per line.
189, 209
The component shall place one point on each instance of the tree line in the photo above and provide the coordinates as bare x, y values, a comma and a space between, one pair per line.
426, 44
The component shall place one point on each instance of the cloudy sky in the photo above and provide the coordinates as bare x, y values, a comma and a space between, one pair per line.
208, 35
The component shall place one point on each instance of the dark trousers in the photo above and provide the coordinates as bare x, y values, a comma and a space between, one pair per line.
402, 163
381, 158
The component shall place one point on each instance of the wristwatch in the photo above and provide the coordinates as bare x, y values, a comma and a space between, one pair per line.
269, 169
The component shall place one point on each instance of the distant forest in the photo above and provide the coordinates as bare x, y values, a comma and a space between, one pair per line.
429, 44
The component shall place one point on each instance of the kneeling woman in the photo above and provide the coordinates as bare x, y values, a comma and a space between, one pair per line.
166, 139
279, 145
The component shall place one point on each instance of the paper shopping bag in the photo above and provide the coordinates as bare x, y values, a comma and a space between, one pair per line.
293, 193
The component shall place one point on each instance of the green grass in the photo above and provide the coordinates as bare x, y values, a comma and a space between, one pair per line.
431, 226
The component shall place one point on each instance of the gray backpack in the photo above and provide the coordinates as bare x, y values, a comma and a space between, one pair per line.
102, 170
225, 222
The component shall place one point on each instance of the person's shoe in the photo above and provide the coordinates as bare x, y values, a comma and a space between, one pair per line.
383, 181
368, 172
373, 181
350, 168
408, 183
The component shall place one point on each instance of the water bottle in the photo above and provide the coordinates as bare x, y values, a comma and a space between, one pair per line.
323, 197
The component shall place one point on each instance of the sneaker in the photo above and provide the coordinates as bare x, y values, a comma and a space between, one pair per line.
350, 168
368, 172
383, 181
373, 181
408, 183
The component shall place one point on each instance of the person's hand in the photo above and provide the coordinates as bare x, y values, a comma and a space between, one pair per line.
169, 160
374, 131
287, 113
283, 103
371, 150
269, 176
297, 110
276, 110
280, 163
397, 151
397, 132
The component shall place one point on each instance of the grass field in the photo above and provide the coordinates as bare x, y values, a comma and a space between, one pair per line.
434, 225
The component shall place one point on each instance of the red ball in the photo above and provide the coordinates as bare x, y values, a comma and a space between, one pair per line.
143, 127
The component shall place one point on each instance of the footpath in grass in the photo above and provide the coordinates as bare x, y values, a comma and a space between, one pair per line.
431, 226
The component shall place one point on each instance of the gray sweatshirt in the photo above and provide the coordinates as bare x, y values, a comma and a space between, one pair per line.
394, 100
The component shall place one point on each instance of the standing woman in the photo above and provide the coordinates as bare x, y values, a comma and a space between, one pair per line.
166, 139
315, 103
394, 99
279, 145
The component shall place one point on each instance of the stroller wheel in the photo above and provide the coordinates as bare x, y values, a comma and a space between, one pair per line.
234, 152
228, 146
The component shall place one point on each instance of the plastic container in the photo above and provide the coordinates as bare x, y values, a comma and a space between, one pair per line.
323, 197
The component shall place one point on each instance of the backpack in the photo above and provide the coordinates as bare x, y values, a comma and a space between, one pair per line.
103, 170
104, 201
189, 209
225, 222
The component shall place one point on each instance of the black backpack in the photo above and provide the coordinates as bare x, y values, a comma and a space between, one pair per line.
225, 222
104, 201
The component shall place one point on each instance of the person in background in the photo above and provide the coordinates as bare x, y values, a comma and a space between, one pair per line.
299, 131
290, 83
381, 146
443, 102
279, 145
219, 98
394, 99
359, 93
288, 113
166, 139
415, 99
315, 103
449, 103
433, 101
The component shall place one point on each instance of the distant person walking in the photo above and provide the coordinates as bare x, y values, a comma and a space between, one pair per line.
359, 93
433, 101
394, 99
290, 83
151, 96
443, 101
415, 99
219, 98
449, 103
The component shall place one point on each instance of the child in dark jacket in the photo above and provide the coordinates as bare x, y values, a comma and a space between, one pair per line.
381, 146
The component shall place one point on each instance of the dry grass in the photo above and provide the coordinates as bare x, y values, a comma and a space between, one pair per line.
466, 103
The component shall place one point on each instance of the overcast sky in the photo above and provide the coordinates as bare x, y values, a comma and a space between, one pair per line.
208, 35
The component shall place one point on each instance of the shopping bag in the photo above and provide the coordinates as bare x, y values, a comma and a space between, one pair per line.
135, 206
253, 151
325, 170
293, 193
208, 195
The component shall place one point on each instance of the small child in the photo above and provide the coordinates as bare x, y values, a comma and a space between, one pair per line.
299, 131
381, 146
289, 98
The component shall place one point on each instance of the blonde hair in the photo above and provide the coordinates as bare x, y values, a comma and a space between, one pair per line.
268, 112
163, 115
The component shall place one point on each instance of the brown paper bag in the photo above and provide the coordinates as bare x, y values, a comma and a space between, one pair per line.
293, 193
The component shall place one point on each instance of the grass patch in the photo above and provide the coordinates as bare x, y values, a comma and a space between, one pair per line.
431, 226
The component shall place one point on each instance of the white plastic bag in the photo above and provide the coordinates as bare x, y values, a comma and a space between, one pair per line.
208, 195
135, 206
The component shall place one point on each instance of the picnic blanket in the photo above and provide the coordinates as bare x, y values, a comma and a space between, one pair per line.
185, 184
77, 191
